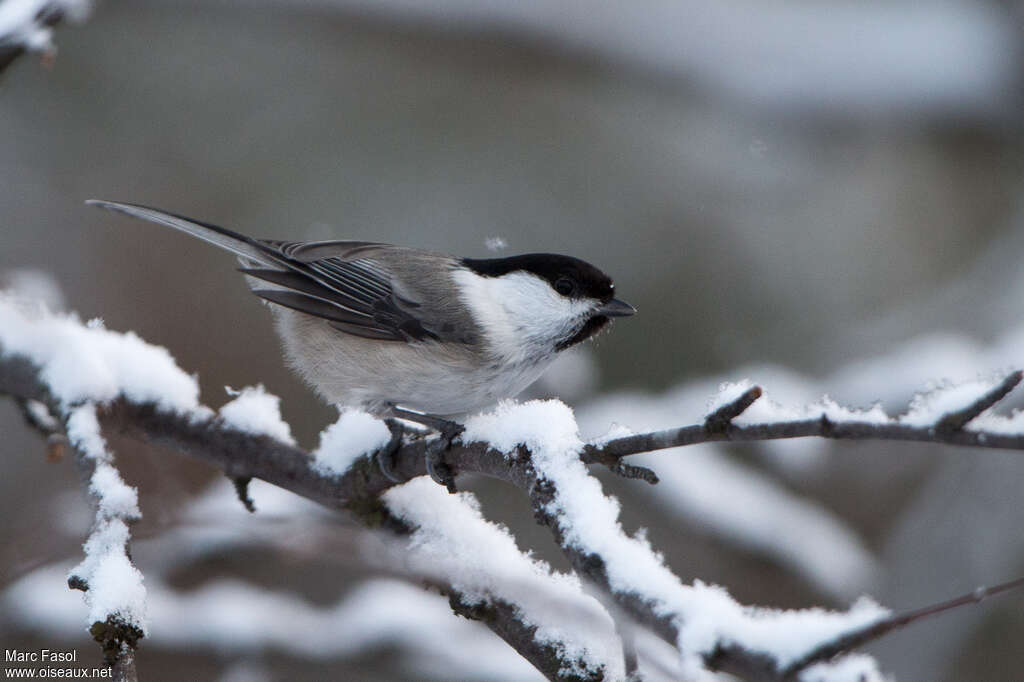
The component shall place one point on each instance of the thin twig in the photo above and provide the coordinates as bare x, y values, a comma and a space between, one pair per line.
503, 619
723, 416
117, 636
241, 484
858, 638
801, 428
955, 421
37, 415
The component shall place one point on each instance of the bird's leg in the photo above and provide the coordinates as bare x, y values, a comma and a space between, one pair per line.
436, 466
448, 430
386, 455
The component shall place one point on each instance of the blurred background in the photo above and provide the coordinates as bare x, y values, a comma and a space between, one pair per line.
823, 198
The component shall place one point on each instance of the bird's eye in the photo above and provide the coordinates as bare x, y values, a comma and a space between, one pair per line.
565, 286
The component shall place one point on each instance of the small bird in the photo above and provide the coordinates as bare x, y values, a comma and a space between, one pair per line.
409, 334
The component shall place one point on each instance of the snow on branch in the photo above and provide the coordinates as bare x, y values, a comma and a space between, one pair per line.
884, 626
570, 632
95, 378
113, 586
229, 616
27, 26
69, 368
703, 620
939, 416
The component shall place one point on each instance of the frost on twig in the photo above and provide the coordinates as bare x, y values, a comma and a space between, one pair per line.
859, 637
728, 407
113, 586
939, 416
955, 417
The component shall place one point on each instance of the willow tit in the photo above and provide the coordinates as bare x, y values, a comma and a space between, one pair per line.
384, 327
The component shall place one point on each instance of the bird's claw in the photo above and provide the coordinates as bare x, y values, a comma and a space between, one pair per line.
438, 469
436, 466
386, 455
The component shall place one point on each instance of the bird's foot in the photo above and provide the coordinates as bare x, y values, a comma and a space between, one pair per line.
438, 469
386, 455
436, 450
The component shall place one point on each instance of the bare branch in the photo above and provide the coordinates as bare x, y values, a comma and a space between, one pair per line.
119, 641
241, 484
632, 471
858, 638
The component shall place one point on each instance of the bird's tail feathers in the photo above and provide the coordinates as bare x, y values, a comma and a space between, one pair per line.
239, 244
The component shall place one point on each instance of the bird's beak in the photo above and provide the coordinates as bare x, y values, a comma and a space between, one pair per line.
616, 308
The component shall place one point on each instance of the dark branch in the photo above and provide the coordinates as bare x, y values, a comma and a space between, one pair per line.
632, 471
858, 638
119, 641
118, 637
736, 660
715, 423
723, 416
241, 484
242, 454
19, 379
955, 421
503, 619
612, 451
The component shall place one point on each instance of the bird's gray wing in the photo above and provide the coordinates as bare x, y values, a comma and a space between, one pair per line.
346, 250
356, 295
339, 281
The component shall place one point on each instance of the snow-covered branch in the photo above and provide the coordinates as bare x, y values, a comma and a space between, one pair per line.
710, 629
54, 363
546, 616
941, 416
98, 380
27, 26
857, 638
112, 585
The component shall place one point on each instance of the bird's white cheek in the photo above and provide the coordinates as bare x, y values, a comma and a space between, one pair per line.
520, 314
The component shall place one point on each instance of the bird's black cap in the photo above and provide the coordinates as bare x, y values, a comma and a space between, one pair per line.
560, 271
